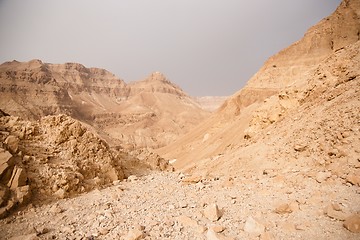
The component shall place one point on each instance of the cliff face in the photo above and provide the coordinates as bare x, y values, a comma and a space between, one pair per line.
293, 64
148, 113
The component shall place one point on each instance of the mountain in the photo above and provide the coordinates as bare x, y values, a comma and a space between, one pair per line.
148, 113
312, 84
210, 103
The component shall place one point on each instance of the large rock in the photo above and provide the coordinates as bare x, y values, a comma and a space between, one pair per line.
22, 194
5, 161
18, 178
12, 143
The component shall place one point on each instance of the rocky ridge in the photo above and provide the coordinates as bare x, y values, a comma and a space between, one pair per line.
97, 97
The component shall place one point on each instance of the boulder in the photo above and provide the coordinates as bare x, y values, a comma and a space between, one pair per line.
18, 178
12, 143
5, 161
22, 194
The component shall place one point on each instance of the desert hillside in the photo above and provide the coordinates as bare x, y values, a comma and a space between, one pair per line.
280, 159
148, 113
270, 96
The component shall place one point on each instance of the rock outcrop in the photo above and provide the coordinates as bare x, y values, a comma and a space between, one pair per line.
55, 157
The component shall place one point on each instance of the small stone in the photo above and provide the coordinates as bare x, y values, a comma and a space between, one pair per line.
253, 226
183, 204
336, 206
217, 228
300, 147
186, 221
322, 176
352, 223
335, 214
134, 234
55, 209
288, 226
191, 179
283, 208
41, 230
353, 179
60, 193
294, 206
103, 230
132, 178
212, 212
300, 227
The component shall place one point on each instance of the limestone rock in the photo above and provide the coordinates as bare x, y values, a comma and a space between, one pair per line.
333, 211
132, 178
352, 223
353, 179
187, 221
283, 208
217, 228
322, 176
12, 143
61, 193
191, 179
253, 226
22, 194
18, 178
212, 212
5, 161
300, 147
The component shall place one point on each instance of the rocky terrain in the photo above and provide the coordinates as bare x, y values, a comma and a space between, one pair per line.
58, 157
174, 206
148, 113
280, 159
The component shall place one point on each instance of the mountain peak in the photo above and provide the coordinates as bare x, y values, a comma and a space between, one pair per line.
158, 77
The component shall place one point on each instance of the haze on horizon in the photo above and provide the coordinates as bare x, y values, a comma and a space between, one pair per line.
207, 47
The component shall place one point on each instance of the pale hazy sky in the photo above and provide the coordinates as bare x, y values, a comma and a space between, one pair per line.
207, 47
